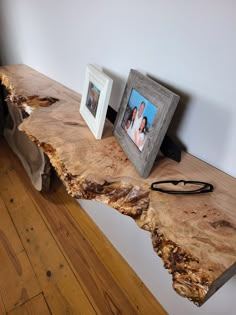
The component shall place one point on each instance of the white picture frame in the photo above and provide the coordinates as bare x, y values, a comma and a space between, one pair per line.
95, 98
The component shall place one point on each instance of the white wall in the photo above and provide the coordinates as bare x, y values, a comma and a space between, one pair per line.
187, 45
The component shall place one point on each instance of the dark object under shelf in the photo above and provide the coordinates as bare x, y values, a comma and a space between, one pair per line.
3, 107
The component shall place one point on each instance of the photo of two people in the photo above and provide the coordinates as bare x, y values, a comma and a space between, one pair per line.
138, 118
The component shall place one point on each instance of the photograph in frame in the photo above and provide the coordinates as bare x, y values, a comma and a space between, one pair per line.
95, 99
143, 118
92, 99
138, 118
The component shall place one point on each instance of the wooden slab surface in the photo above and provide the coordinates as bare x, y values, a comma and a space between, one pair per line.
57, 255
194, 235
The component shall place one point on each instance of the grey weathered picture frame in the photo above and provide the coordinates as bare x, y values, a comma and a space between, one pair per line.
165, 102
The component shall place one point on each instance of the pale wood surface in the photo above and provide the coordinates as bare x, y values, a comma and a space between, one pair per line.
72, 271
194, 235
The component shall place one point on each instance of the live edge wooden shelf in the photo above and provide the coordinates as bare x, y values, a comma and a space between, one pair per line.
194, 235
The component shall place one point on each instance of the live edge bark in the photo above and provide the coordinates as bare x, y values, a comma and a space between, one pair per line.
195, 238
133, 200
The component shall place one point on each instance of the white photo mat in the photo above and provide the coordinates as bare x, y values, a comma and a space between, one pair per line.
95, 99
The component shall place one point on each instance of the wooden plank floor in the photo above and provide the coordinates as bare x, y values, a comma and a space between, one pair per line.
54, 259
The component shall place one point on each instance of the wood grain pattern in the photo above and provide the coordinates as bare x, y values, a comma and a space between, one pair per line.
18, 278
194, 235
56, 279
2, 308
103, 291
141, 297
16, 273
35, 306
126, 280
